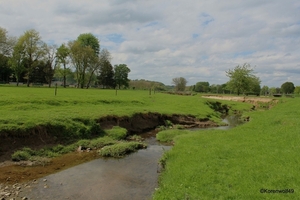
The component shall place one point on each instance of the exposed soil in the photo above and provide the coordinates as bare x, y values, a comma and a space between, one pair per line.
256, 101
41, 136
14, 178
17, 175
241, 99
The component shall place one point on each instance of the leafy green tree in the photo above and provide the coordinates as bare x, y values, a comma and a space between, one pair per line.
264, 90
81, 57
121, 75
179, 83
106, 75
88, 39
50, 62
84, 54
275, 90
106, 70
62, 54
202, 87
5, 70
39, 73
287, 87
254, 86
6, 43
31, 49
242, 79
297, 90
17, 62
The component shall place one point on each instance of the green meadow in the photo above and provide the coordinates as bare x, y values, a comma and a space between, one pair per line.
257, 160
23, 108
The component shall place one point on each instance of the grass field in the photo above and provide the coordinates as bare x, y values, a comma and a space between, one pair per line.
259, 156
23, 108
257, 160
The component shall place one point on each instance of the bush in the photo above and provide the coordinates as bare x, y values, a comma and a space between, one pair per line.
117, 133
20, 155
121, 149
101, 142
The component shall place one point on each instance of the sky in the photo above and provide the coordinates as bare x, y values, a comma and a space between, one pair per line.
163, 39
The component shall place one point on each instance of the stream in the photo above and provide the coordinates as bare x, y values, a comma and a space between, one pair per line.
132, 177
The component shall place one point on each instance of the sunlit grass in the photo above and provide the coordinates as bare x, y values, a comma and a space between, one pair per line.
22, 108
237, 163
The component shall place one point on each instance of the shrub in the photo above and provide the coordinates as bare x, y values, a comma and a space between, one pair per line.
121, 149
101, 142
117, 133
20, 155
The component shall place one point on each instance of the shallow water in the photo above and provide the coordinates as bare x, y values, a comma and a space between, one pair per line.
132, 177
231, 120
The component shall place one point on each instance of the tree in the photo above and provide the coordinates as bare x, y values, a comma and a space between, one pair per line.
62, 54
106, 70
30, 48
88, 39
6, 43
81, 57
242, 79
202, 87
5, 70
121, 75
264, 90
102, 60
84, 54
287, 87
16, 62
297, 90
179, 83
274, 90
254, 87
106, 75
50, 59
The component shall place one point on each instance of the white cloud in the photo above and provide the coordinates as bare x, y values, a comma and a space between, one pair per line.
160, 40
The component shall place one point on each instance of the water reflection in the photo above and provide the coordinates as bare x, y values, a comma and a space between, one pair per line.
133, 177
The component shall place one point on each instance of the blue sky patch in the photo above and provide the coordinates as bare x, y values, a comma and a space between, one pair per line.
116, 38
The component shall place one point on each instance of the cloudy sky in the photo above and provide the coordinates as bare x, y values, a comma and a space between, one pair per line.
160, 40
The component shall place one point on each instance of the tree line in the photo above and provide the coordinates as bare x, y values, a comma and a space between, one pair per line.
242, 80
30, 60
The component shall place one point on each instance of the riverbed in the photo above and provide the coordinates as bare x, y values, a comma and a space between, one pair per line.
132, 177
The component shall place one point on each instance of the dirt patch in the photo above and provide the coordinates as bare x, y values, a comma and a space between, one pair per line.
256, 101
15, 178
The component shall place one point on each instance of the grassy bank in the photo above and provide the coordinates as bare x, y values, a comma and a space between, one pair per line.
112, 143
258, 160
72, 111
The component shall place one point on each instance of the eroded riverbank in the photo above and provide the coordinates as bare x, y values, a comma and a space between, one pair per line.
132, 177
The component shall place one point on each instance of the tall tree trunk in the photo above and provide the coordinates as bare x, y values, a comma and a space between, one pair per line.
28, 81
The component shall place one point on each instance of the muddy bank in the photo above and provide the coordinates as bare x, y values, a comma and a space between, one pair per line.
132, 177
47, 136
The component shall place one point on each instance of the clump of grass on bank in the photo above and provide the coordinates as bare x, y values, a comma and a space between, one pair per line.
168, 135
112, 137
117, 133
237, 163
121, 149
